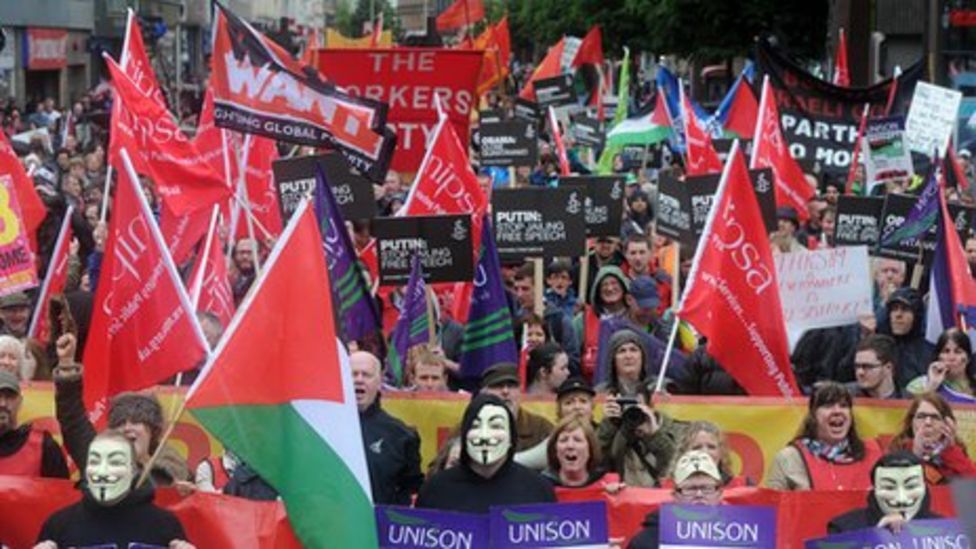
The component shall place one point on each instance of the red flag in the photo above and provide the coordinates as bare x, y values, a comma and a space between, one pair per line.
842, 76
261, 191
856, 154
732, 297
960, 176
135, 62
661, 116
461, 13
558, 140
702, 158
182, 175
377, 34
308, 56
744, 110
590, 51
210, 142
54, 281
210, 289
770, 150
31, 208
182, 233
142, 327
496, 43
550, 66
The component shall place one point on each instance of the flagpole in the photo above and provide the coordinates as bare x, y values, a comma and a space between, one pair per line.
431, 328
233, 204
242, 187
538, 281
197, 284
257, 222
667, 355
852, 170
105, 192
584, 276
46, 285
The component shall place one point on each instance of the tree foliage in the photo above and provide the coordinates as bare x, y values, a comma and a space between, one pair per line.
350, 20
703, 29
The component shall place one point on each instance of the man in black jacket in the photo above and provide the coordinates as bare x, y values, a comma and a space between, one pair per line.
900, 494
392, 448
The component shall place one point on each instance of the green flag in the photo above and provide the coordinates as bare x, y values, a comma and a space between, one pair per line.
623, 91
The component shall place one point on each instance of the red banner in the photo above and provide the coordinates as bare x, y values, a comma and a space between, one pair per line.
17, 269
408, 79
47, 49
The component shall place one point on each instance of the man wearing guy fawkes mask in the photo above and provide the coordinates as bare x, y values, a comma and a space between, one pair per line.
487, 474
899, 495
113, 511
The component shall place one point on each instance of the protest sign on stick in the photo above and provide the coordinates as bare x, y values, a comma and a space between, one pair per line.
443, 242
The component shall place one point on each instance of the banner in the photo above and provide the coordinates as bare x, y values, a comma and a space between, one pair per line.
823, 288
47, 49
895, 212
557, 91
820, 120
673, 213
259, 88
509, 143
708, 526
578, 525
406, 528
604, 203
858, 221
295, 180
17, 268
931, 118
916, 533
886, 158
539, 222
443, 242
408, 79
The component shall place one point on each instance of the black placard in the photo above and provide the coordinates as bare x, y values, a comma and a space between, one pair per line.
539, 222
443, 242
490, 115
686, 204
295, 179
512, 143
604, 202
893, 215
555, 92
723, 146
588, 131
858, 221
527, 110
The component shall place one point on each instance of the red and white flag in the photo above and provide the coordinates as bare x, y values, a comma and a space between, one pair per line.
732, 297
182, 233
55, 279
842, 76
702, 158
32, 208
143, 329
557, 139
770, 150
460, 14
210, 288
183, 177
262, 195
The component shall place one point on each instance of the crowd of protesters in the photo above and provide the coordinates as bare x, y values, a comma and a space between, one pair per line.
608, 431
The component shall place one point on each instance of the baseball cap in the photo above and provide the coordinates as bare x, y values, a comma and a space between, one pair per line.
9, 381
503, 372
695, 462
18, 299
573, 385
644, 290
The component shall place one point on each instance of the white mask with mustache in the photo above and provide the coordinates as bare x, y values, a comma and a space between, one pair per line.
110, 470
899, 490
488, 440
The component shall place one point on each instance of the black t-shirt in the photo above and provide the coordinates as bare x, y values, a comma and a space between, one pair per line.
134, 520
461, 489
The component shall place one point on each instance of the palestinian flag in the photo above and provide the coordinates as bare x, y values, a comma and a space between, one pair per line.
278, 394
648, 129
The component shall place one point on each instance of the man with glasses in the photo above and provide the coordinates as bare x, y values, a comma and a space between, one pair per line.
697, 481
875, 363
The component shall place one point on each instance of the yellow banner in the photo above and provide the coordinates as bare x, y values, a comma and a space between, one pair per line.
335, 39
757, 428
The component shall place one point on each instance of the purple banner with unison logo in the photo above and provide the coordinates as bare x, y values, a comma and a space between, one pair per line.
406, 528
706, 526
917, 533
550, 525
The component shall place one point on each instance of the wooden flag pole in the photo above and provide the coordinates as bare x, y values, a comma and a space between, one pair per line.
538, 282
584, 277
676, 276
431, 321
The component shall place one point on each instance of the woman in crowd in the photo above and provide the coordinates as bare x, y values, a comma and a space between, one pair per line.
628, 369
929, 432
12, 355
573, 456
705, 436
547, 369
827, 453
953, 374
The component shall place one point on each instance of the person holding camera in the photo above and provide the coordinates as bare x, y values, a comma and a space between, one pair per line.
638, 441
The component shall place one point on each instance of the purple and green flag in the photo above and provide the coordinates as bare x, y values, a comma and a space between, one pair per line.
356, 314
411, 328
922, 215
489, 337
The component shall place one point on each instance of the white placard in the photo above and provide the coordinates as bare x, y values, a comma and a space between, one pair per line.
823, 288
931, 118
